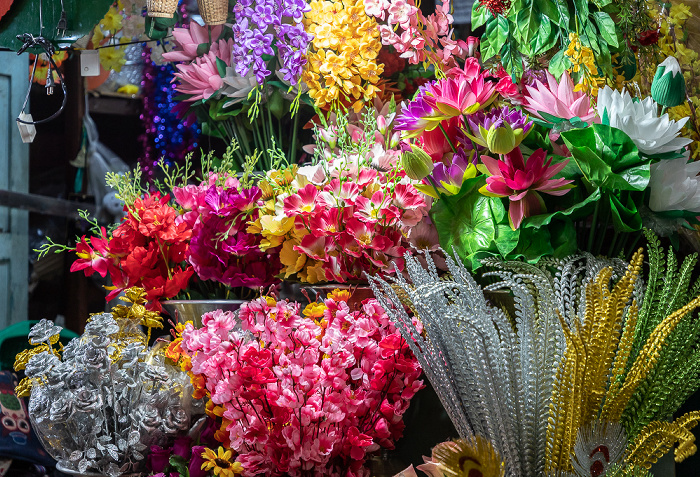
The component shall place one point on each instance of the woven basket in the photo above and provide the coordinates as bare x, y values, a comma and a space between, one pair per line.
161, 8
213, 12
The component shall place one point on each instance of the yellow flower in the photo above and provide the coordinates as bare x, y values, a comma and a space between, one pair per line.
680, 13
314, 273
325, 37
221, 463
292, 260
315, 310
371, 71
112, 20
339, 295
370, 49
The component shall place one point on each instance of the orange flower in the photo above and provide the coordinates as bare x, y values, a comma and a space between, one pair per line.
339, 295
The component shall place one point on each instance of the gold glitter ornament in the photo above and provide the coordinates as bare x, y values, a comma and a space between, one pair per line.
469, 458
23, 357
658, 437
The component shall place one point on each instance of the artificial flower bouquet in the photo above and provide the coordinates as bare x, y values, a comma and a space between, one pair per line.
241, 81
101, 401
301, 392
353, 212
541, 167
181, 239
582, 376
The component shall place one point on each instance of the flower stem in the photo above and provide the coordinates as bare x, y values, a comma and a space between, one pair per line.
594, 223
293, 146
447, 137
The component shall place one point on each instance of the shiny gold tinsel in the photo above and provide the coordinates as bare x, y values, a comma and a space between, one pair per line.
466, 458
658, 437
137, 311
582, 377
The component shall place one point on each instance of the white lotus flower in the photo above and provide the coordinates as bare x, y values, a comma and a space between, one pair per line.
675, 185
640, 121
238, 87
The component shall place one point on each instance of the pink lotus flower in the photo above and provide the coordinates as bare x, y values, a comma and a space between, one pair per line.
521, 181
456, 96
201, 78
187, 41
559, 99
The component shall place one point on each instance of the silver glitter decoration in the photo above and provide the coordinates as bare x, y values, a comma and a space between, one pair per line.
493, 367
108, 400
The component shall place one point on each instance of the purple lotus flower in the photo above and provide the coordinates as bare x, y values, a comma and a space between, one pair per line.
496, 117
416, 117
448, 180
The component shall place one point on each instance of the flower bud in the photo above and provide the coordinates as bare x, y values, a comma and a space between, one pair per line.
417, 163
329, 135
501, 140
668, 87
381, 124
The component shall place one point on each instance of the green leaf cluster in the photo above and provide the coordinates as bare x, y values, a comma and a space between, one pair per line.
534, 29
677, 374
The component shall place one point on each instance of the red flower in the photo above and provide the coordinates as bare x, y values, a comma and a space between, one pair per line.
496, 7
648, 37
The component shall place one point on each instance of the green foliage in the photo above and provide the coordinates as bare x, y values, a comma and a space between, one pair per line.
473, 225
677, 374
534, 29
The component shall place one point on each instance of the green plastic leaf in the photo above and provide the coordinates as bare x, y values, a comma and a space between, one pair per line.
606, 26
497, 32
563, 241
601, 3
533, 245
608, 158
221, 67
527, 22
180, 465
581, 8
559, 63
545, 39
582, 208
202, 49
626, 217
474, 225
479, 15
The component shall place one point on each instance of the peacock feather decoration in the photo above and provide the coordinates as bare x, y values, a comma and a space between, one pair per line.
578, 376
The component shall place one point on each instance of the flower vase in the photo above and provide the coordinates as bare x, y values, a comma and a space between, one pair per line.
192, 310
298, 292
161, 8
213, 12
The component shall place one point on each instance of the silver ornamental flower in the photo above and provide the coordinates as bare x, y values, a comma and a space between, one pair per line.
103, 324
57, 378
155, 373
131, 355
42, 331
96, 359
70, 349
62, 408
175, 419
100, 341
40, 363
148, 418
87, 400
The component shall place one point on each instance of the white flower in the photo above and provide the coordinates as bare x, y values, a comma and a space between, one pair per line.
640, 121
675, 185
238, 87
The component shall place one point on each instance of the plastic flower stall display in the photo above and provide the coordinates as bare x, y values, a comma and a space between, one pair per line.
477, 184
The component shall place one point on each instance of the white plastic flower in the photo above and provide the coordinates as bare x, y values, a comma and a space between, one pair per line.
675, 185
237, 87
640, 121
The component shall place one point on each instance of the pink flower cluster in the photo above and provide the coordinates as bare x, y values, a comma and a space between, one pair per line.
419, 38
221, 249
356, 222
305, 392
